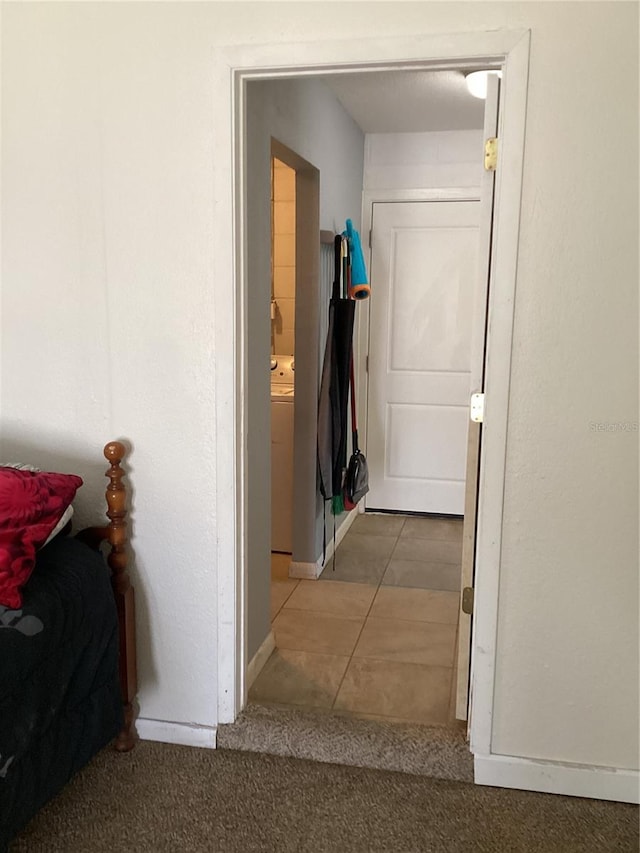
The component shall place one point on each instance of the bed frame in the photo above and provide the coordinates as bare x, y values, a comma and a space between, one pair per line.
115, 534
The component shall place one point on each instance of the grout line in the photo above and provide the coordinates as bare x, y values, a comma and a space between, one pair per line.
314, 654
388, 718
457, 540
425, 588
413, 621
364, 622
278, 611
295, 587
408, 663
307, 611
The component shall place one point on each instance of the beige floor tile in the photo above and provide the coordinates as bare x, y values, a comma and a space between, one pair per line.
355, 568
323, 633
432, 528
280, 566
364, 545
380, 718
422, 575
280, 592
429, 550
421, 605
299, 678
387, 688
374, 524
427, 643
337, 597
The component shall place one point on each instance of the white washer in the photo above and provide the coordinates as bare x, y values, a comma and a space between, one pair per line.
282, 400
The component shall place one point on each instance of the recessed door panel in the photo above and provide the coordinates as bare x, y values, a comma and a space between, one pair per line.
430, 312
410, 456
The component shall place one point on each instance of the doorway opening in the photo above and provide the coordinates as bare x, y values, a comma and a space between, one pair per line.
506, 50
388, 611
282, 361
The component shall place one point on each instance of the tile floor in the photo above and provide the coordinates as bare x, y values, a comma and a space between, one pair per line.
376, 637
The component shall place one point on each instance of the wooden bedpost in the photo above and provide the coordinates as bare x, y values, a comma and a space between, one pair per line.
116, 534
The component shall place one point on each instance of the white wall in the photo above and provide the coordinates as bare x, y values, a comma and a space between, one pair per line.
107, 306
407, 167
305, 116
108, 127
451, 158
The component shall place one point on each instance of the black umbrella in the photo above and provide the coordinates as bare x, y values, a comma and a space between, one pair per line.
334, 386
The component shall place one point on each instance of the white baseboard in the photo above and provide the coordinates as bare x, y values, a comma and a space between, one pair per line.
574, 780
305, 571
183, 734
260, 658
312, 571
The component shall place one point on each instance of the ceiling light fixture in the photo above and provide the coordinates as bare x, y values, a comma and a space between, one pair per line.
477, 82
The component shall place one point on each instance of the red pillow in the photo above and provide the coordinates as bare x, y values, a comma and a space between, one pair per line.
31, 504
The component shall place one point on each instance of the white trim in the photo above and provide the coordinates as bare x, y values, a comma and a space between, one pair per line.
234, 66
258, 661
426, 194
183, 734
306, 571
479, 333
504, 260
312, 571
228, 415
429, 51
551, 777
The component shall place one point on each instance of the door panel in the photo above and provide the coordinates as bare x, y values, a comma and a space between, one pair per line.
406, 426
464, 663
424, 277
430, 322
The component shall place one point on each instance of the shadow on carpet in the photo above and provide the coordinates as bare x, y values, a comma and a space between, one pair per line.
162, 797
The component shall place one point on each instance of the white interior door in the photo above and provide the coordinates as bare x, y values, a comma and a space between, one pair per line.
477, 384
424, 263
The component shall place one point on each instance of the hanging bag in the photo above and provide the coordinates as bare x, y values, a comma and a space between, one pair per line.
356, 482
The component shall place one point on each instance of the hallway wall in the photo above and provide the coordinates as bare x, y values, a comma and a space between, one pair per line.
451, 158
305, 116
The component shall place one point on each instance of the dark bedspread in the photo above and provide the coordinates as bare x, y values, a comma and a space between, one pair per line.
59, 692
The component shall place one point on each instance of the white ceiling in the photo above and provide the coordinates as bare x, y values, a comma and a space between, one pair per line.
407, 101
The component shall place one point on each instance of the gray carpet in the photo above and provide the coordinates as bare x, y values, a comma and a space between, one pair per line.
298, 733
171, 798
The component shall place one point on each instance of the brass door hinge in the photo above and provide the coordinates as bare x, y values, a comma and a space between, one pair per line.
491, 154
467, 600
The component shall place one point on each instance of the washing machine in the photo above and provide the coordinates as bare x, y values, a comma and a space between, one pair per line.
282, 402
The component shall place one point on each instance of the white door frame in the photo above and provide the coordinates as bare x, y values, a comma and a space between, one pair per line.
234, 66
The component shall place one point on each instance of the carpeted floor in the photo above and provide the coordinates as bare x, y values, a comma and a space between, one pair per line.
172, 798
438, 751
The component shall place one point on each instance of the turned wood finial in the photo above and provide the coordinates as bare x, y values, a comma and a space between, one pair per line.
114, 453
116, 495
